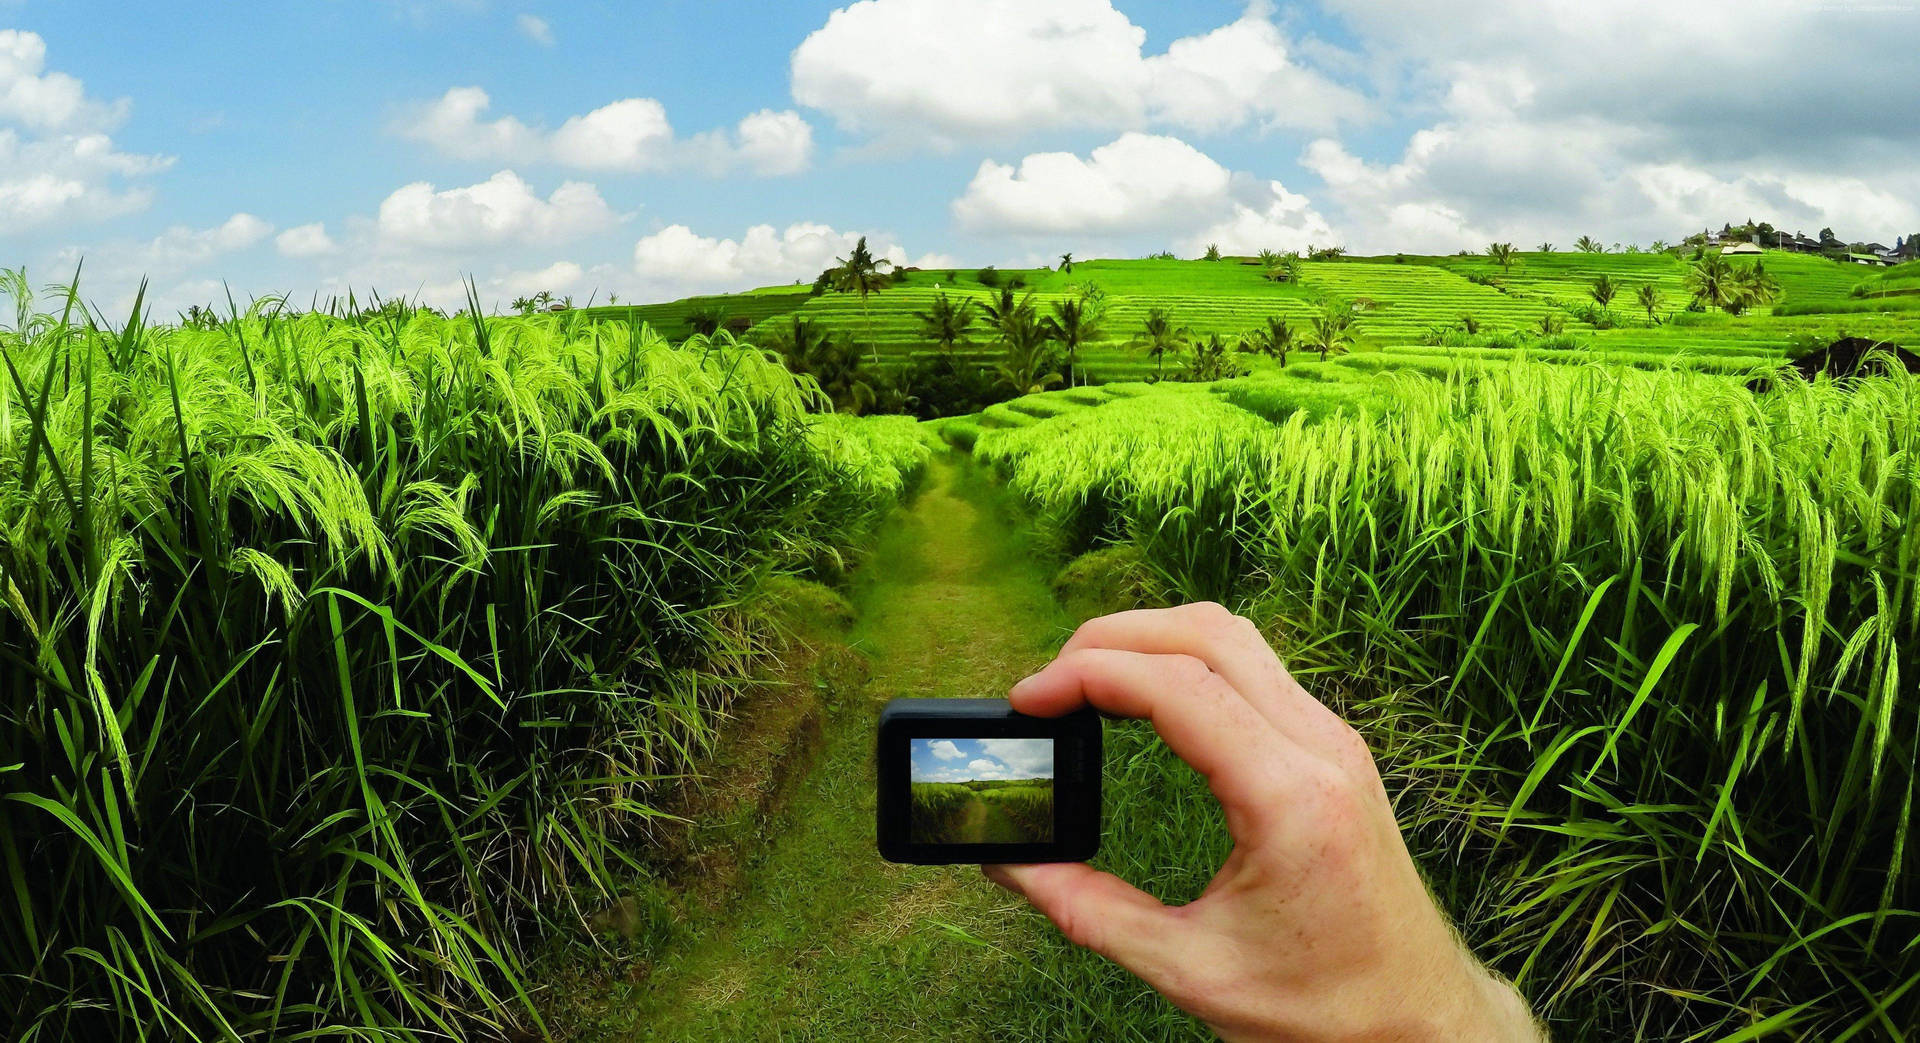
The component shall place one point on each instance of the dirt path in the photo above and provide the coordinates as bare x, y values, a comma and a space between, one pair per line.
830, 943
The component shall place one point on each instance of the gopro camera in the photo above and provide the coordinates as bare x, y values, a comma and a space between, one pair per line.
970, 780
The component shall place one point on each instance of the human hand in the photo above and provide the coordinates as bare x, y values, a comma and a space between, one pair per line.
1318, 926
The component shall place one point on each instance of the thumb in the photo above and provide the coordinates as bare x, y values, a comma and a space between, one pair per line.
1099, 911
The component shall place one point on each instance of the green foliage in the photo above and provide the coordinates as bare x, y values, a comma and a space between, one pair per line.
1274, 339
341, 657
1002, 812
1160, 337
945, 322
1213, 252
1211, 358
1639, 642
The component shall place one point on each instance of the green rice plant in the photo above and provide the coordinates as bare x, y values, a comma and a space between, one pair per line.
1635, 650
342, 657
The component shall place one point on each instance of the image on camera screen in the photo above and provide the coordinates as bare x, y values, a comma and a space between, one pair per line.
982, 791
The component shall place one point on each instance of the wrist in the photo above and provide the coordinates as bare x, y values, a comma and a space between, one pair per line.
1497, 1012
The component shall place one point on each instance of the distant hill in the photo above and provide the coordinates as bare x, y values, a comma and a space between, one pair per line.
1402, 301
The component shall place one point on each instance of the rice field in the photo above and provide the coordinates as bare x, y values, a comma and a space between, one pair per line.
1634, 648
1402, 301
346, 660
342, 660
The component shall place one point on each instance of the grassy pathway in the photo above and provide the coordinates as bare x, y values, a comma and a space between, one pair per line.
828, 942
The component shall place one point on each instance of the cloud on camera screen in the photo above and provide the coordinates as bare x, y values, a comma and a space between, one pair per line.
981, 791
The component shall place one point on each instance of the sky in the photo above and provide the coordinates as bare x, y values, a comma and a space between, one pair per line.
964, 760
654, 150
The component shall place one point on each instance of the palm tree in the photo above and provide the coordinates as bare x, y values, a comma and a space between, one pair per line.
1603, 291
705, 320
1502, 254
1274, 340
523, 305
1269, 258
1332, 330
1649, 299
1030, 364
1159, 336
1066, 262
1587, 244
1211, 360
1072, 324
832, 362
1546, 248
1712, 281
1007, 309
1284, 267
946, 323
1658, 246
1755, 287
1213, 252
862, 273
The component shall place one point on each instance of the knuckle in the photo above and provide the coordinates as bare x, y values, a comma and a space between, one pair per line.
1211, 614
1193, 676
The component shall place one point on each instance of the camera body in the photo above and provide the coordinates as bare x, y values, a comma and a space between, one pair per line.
970, 780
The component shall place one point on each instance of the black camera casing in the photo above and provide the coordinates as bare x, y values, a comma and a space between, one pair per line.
1076, 792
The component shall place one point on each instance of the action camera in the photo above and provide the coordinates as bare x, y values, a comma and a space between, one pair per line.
970, 780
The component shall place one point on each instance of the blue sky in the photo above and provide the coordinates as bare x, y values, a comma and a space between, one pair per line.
658, 149
964, 760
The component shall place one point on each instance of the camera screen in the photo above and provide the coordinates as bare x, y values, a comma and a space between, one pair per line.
982, 791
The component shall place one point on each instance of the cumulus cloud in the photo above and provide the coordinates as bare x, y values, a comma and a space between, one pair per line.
1021, 758
310, 240
57, 163
944, 71
169, 258
1138, 183
945, 750
677, 259
631, 135
535, 28
503, 209
47, 101
1631, 121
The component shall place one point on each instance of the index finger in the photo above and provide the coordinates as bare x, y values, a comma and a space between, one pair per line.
1200, 717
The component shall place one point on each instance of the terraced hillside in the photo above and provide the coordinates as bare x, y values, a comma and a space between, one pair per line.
1403, 303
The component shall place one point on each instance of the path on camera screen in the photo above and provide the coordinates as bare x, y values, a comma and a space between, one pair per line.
829, 942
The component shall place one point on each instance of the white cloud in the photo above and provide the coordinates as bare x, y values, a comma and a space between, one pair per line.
310, 240
1139, 183
452, 126
982, 768
171, 259
772, 143
943, 71
631, 135
42, 100
1503, 176
500, 210
1629, 121
678, 260
945, 750
57, 164
535, 28
1021, 758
